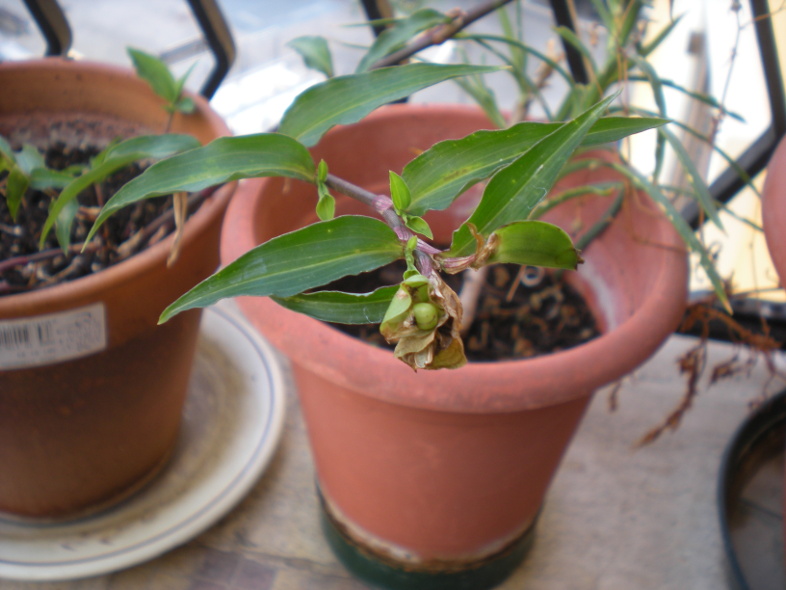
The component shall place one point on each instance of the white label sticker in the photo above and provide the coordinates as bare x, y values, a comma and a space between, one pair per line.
48, 339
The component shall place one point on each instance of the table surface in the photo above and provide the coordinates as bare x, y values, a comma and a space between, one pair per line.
618, 516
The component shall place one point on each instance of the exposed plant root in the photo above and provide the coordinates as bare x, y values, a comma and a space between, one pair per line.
693, 363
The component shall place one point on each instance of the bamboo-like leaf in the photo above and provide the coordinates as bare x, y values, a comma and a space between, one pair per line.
342, 308
685, 231
526, 49
701, 97
514, 191
45, 178
295, 262
535, 243
112, 160
397, 36
572, 39
347, 99
701, 191
315, 53
443, 172
662, 35
222, 160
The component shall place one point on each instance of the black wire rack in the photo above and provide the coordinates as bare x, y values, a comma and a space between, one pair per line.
54, 27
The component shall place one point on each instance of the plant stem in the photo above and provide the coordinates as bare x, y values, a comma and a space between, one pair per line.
384, 206
441, 33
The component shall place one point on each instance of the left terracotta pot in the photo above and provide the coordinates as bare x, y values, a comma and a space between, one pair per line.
91, 389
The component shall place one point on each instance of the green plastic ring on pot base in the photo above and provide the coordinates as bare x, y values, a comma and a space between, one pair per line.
491, 572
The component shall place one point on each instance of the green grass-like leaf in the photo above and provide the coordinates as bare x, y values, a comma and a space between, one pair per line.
315, 53
535, 243
514, 191
347, 99
440, 174
113, 159
222, 160
342, 308
295, 262
399, 34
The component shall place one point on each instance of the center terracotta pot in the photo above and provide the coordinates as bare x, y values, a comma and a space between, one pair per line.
91, 389
442, 473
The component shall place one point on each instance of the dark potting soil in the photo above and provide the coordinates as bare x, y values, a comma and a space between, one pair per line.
522, 312
25, 267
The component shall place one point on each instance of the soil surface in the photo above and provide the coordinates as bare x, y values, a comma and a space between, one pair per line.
25, 267
522, 312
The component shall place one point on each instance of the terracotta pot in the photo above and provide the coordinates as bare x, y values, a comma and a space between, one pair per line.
76, 434
773, 213
442, 471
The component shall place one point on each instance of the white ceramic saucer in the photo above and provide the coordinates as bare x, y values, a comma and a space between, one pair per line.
232, 423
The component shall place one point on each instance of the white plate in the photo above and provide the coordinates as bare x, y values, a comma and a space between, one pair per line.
233, 420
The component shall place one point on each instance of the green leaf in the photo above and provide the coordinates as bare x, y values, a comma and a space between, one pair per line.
156, 73
64, 223
347, 99
399, 193
29, 159
514, 191
437, 176
685, 231
326, 206
42, 179
222, 160
304, 259
342, 308
526, 49
571, 38
315, 53
15, 187
113, 159
398, 35
419, 226
5, 151
535, 243
186, 105
701, 191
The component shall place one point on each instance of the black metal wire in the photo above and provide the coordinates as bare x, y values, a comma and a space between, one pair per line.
373, 12
564, 18
756, 157
219, 39
53, 25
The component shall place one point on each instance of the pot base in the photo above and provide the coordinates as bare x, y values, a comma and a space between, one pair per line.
363, 563
97, 507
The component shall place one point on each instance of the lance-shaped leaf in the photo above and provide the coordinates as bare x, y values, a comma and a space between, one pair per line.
347, 99
438, 175
397, 36
117, 157
155, 72
315, 53
295, 262
222, 160
516, 190
681, 225
701, 191
534, 243
342, 308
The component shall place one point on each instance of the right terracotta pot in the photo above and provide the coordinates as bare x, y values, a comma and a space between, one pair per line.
435, 479
773, 213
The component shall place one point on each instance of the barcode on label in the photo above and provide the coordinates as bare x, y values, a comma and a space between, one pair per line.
40, 340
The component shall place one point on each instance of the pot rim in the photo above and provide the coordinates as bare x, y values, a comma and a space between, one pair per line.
491, 387
59, 295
